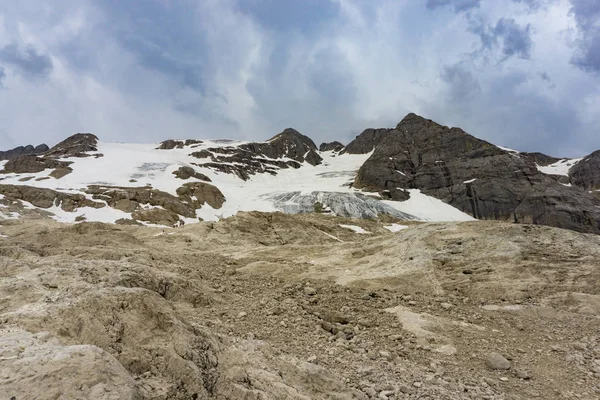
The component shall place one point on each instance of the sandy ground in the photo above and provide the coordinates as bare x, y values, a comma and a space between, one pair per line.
274, 306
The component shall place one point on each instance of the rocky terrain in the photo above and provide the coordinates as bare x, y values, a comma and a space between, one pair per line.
310, 306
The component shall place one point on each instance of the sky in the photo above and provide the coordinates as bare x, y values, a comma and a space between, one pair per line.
518, 73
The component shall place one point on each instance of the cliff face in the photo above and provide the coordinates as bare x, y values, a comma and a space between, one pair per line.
472, 175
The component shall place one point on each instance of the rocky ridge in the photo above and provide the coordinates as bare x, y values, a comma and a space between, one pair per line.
23, 150
476, 177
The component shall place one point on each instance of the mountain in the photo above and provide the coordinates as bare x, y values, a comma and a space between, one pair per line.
418, 171
476, 177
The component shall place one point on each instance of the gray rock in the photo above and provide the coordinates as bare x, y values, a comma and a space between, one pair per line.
586, 173
470, 174
497, 362
331, 146
23, 150
522, 374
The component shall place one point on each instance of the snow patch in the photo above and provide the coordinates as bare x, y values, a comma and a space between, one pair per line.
427, 208
356, 229
561, 167
470, 180
395, 227
508, 149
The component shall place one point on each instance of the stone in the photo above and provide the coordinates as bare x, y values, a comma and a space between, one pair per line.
385, 355
310, 291
497, 362
522, 374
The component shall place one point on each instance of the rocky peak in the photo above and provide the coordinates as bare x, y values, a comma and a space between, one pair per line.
75, 146
412, 118
293, 137
22, 151
473, 175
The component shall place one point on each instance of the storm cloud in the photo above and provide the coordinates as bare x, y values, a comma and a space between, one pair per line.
524, 73
26, 61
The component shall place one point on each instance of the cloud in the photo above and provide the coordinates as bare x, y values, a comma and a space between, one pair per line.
461, 82
587, 17
2, 75
458, 5
513, 39
248, 69
26, 61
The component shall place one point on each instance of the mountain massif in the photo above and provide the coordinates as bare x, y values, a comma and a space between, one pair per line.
409, 264
403, 171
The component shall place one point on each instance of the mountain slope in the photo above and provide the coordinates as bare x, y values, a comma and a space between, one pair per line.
418, 170
476, 177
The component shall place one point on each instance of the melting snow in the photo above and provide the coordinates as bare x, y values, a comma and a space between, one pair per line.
395, 227
508, 149
428, 208
560, 167
356, 229
470, 180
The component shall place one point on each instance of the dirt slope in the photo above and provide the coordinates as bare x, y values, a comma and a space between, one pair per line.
274, 306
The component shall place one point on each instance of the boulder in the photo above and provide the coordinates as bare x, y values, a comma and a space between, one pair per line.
204, 193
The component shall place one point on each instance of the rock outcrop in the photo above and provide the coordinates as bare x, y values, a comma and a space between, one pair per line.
189, 172
586, 173
78, 145
22, 151
203, 193
331, 146
31, 164
177, 144
46, 198
288, 149
470, 174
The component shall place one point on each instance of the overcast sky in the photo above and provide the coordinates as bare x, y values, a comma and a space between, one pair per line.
520, 73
